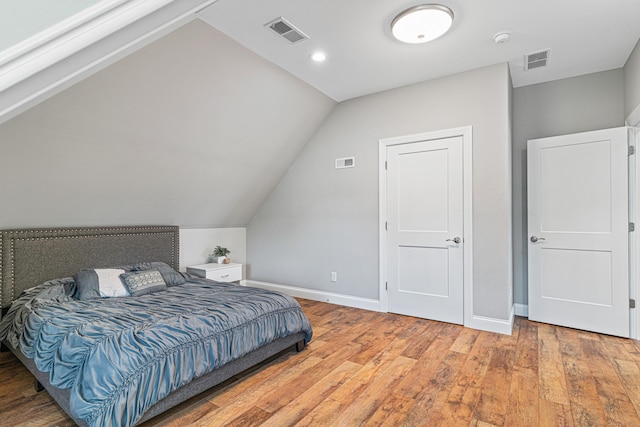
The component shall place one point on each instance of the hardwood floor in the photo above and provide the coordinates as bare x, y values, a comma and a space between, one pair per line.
375, 369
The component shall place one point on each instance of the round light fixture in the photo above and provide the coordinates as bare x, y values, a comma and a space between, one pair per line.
502, 37
318, 56
420, 24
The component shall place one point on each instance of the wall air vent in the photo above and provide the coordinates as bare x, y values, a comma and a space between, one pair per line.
537, 59
283, 28
346, 162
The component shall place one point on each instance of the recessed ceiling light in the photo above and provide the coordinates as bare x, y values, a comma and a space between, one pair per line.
318, 56
420, 24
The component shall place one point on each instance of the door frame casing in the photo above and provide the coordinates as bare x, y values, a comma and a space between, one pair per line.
634, 241
467, 236
633, 120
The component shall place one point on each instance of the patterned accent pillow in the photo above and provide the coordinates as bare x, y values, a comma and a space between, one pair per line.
143, 282
170, 276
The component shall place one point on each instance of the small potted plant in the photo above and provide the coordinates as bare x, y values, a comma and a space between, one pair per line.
221, 254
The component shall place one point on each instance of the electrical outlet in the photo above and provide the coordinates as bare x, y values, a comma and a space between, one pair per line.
334, 276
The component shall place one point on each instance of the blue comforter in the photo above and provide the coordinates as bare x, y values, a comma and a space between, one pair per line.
119, 356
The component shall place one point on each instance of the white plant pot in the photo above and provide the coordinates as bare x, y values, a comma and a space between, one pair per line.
221, 259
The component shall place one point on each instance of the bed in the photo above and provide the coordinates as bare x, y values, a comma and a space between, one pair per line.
123, 360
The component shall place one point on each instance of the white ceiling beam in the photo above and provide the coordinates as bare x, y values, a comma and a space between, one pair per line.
70, 51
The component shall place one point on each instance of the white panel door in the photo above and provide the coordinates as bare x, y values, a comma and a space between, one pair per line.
578, 231
424, 229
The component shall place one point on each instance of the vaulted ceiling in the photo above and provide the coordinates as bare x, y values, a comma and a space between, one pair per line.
585, 36
192, 130
197, 127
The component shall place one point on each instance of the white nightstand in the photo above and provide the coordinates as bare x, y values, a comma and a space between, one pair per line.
220, 272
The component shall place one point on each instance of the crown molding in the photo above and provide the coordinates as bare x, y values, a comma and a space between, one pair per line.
81, 45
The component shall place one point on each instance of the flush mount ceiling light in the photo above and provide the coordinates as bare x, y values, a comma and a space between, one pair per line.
420, 24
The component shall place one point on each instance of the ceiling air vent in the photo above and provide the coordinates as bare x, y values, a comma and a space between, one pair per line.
284, 29
536, 59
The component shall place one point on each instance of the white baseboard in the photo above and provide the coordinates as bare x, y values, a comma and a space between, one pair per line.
522, 310
315, 295
490, 324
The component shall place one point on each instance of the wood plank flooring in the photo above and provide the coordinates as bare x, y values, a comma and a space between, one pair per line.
373, 369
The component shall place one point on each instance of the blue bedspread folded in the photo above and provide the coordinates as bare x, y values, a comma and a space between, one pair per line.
119, 356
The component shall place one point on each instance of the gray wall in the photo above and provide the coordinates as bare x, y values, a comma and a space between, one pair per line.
319, 219
578, 104
192, 130
632, 81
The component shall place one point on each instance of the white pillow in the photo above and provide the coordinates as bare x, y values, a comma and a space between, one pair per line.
110, 284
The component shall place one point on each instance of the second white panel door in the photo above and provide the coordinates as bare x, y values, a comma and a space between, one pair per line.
578, 231
425, 229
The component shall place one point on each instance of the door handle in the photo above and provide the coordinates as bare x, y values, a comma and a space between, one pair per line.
535, 239
454, 240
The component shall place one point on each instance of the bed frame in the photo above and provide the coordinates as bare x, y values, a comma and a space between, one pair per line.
32, 256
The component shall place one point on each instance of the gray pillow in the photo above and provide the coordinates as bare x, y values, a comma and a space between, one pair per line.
143, 282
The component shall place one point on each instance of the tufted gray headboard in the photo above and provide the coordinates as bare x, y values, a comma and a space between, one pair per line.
29, 257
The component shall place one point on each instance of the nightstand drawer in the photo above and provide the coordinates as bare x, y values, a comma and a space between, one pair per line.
217, 272
225, 275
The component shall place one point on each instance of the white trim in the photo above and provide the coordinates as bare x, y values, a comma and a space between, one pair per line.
634, 242
382, 240
490, 324
521, 310
70, 36
47, 64
58, 30
315, 295
634, 118
466, 133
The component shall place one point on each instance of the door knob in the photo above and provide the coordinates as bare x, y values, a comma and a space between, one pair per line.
454, 240
535, 239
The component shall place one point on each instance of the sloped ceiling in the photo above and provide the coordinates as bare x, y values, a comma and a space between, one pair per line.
192, 130
585, 36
